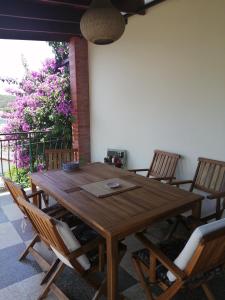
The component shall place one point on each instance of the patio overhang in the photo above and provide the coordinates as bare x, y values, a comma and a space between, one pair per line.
52, 20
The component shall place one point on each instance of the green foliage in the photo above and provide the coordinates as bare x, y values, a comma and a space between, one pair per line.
19, 175
61, 51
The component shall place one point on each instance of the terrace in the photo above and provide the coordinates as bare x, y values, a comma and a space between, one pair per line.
161, 86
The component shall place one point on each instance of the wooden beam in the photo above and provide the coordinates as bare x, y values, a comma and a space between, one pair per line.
128, 6
33, 36
39, 11
145, 7
33, 25
39, 19
66, 3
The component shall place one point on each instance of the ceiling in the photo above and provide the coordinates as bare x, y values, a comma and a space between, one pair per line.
53, 20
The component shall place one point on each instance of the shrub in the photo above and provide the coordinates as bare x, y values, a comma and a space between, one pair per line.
42, 103
18, 175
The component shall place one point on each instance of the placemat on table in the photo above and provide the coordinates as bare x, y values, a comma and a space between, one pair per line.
100, 189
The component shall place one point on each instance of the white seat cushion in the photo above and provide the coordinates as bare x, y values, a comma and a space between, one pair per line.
71, 243
186, 254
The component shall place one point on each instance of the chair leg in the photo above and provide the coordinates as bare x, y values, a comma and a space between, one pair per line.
46, 199
103, 286
99, 292
207, 291
50, 271
172, 230
142, 279
171, 291
179, 220
26, 251
59, 294
101, 257
51, 280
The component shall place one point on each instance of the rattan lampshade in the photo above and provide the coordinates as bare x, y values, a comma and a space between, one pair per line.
102, 23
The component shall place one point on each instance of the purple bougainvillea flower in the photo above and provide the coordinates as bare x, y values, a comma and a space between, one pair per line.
21, 157
64, 108
42, 103
25, 127
40, 167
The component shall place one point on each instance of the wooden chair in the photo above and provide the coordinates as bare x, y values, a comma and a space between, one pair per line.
81, 249
16, 190
55, 210
210, 179
56, 157
163, 166
176, 265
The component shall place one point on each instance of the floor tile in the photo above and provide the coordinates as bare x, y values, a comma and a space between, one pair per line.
8, 235
24, 229
135, 293
27, 289
3, 217
132, 245
45, 252
13, 270
5, 199
12, 212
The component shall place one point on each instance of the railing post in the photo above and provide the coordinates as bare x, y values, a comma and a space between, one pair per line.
30, 152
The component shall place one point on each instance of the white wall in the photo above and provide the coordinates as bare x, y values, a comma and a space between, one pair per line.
162, 85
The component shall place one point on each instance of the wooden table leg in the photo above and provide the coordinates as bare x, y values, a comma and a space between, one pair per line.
112, 268
196, 210
35, 198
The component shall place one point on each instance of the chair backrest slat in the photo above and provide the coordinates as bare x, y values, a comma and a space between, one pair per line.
15, 191
44, 225
163, 164
209, 176
56, 157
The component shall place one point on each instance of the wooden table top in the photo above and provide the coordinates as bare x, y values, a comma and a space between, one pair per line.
120, 214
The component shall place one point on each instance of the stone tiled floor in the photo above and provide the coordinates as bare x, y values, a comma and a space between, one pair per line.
21, 280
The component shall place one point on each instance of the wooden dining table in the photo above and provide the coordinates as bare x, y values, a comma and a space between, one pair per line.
118, 215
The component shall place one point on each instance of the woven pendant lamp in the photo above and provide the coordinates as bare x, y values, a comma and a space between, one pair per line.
102, 23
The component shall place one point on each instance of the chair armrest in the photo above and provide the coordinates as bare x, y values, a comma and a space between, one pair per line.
160, 256
179, 182
86, 248
40, 192
138, 170
163, 178
216, 195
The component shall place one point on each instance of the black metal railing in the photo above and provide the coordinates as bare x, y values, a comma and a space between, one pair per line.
22, 152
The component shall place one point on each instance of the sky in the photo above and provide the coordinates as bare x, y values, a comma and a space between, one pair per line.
11, 53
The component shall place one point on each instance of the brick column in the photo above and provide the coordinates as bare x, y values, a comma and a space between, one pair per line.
79, 80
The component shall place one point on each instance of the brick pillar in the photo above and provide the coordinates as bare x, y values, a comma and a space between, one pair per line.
79, 80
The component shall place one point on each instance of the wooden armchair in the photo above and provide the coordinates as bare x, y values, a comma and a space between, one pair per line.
56, 210
56, 157
16, 190
177, 264
163, 166
210, 179
81, 249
